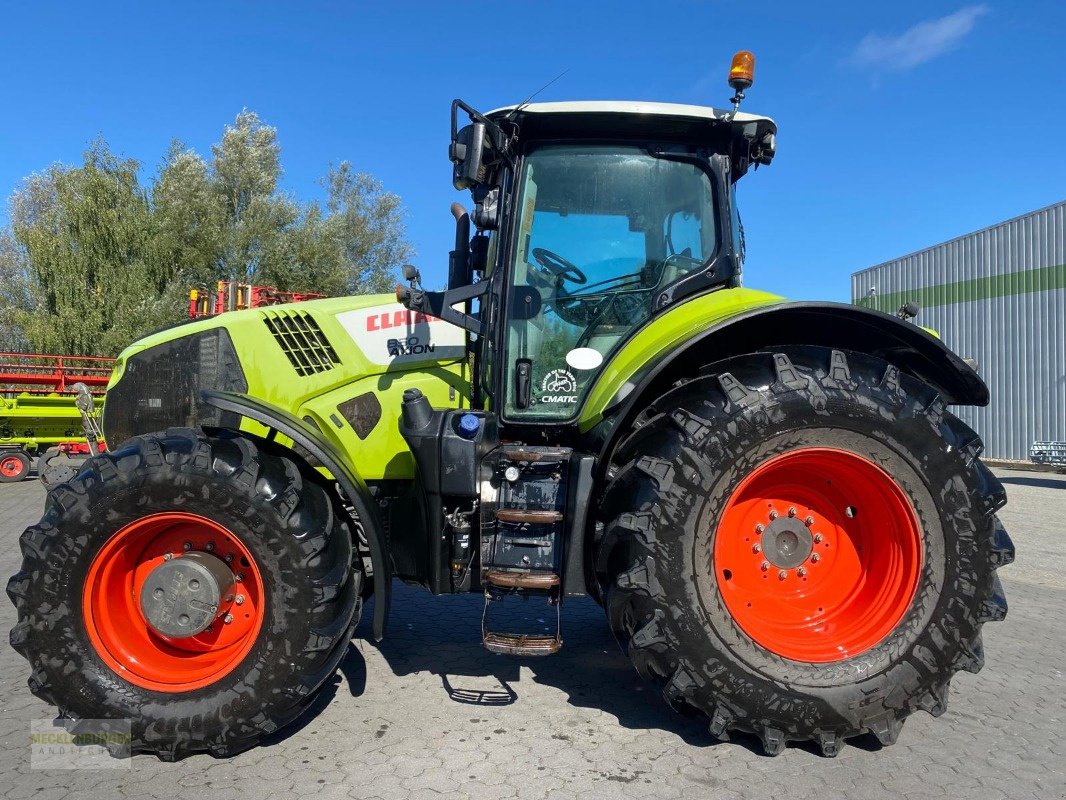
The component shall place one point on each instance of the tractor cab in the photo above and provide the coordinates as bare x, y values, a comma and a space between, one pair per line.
592, 218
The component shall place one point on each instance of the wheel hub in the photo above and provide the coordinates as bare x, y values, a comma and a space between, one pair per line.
787, 543
181, 596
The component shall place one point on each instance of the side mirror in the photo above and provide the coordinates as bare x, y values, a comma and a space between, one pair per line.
467, 152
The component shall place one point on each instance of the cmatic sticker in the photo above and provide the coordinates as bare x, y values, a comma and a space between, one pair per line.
393, 334
559, 386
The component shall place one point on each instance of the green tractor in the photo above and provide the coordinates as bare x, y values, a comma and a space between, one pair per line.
788, 530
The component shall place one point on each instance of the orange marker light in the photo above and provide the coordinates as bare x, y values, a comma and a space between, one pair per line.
742, 70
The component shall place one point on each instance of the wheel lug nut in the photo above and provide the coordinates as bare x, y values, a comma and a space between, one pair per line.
817, 538
229, 558
801, 571
239, 600
240, 577
815, 558
782, 575
187, 546
773, 514
210, 546
809, 521
228, 619
792, 512
167, 556
764, 566
755, 548
759, 528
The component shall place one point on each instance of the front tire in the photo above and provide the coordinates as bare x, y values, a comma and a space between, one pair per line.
277, 636
802, 546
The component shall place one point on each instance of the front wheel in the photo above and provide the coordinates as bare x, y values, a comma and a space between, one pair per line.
802, 546
199, 586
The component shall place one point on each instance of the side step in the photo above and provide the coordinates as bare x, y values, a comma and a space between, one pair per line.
523, 538
501, 583
532, 516
522, 580
517, 644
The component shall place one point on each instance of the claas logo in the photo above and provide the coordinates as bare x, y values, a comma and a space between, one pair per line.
397, 319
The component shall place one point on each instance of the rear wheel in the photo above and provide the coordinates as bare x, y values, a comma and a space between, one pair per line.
802, 546
199, 586
14, 466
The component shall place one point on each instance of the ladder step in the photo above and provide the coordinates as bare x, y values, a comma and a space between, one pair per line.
516, 644
528, 515
522, 580
545, 454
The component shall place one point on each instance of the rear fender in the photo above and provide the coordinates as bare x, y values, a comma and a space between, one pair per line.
351, 483
834, 325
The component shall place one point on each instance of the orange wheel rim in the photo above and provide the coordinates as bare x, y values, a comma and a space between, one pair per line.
818, 555
119, 630
11, 466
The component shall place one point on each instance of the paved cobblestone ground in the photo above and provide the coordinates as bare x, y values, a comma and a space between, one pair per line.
403, 719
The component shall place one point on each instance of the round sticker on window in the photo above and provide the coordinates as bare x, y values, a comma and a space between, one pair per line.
584, 358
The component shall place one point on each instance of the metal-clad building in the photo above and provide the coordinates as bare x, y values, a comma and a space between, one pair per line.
997, 295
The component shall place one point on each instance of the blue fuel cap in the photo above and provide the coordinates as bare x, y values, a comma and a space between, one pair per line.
469, 425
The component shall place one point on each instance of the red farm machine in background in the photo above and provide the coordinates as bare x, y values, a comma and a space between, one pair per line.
233, 296
45, 401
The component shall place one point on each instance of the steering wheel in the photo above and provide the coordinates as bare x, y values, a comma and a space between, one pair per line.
558, 266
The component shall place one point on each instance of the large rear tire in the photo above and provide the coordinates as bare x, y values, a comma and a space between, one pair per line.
277, 636
802, 546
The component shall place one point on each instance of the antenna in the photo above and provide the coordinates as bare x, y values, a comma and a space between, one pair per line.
526, 102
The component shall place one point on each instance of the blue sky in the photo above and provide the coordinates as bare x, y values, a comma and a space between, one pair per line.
901, 124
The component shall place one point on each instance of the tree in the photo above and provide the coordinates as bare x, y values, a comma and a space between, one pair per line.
188, 218
14, 295
94, 260
91, 276
367, 219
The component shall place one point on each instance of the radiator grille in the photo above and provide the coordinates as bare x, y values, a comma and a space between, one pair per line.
300, 338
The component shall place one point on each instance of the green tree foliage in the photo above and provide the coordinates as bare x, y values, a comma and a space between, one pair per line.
14, 295
89, 258
93, 259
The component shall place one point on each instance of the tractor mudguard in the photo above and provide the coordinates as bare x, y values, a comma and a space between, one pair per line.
773, 324
351, 483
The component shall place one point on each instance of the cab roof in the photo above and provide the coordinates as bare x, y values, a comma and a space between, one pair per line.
638, 119
643, 113
629, 107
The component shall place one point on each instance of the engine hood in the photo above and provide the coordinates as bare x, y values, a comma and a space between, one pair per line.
284, 355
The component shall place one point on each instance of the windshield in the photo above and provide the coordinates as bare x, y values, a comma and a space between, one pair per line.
602, 229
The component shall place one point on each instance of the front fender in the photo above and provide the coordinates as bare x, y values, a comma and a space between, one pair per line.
351, 483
